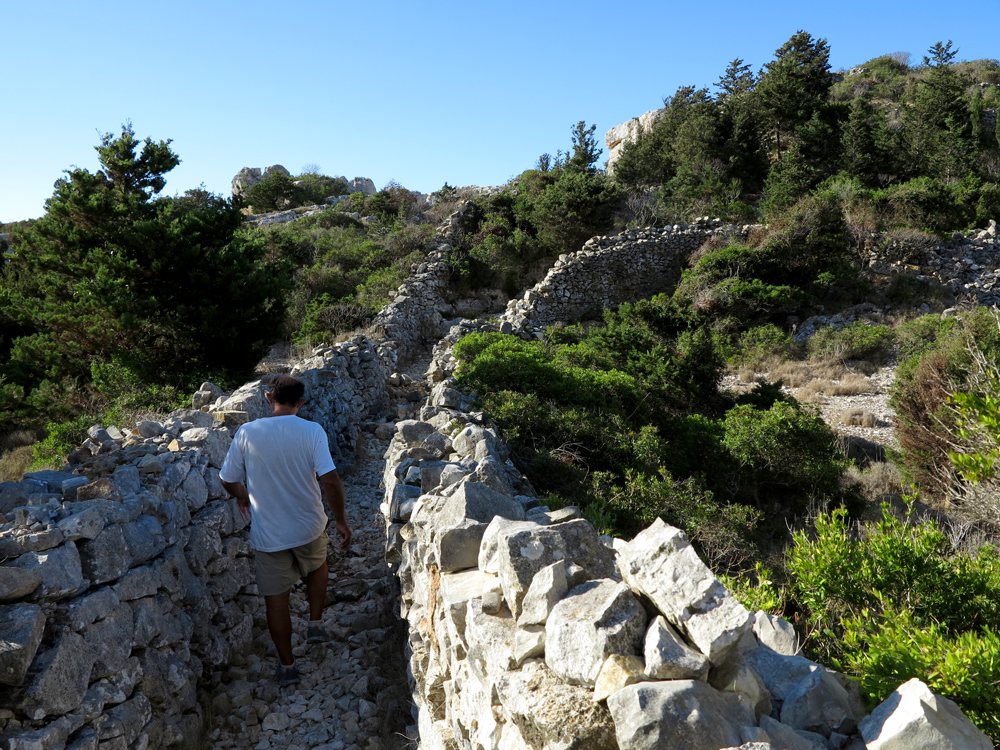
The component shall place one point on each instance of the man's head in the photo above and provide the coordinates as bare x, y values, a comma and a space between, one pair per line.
287, 391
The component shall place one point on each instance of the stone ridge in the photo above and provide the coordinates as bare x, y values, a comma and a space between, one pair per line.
523, 637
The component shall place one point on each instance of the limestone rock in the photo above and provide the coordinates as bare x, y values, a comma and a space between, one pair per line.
687, 714
661, 563
61, 678
782, 735
736, 677
668, 657
457, 547
58, 568
522, 551
913, 718
547, 587
551, 714
478, 502
109, 641
21, 627
776, 633
594, 620
813, 699
16, 583
617, 672
88, 523
529, 642
106, 557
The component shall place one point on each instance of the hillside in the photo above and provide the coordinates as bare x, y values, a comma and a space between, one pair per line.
769, 322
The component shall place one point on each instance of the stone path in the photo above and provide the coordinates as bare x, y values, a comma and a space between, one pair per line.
354, 693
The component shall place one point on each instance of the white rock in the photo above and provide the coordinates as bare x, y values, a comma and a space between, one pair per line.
913, 718
594, 620
668, 657
661, 563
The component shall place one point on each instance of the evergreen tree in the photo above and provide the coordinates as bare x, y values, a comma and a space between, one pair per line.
738, 79
793, 87
938, 121
586, 152
162, 286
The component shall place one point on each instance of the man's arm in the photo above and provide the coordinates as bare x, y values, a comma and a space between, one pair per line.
333, 488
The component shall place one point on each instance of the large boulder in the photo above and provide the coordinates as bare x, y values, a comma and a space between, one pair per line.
687, 714
593, 621
812, 698
16, 583
913, 718
59, 570
662, 564
61, 676
668, 657
477, 502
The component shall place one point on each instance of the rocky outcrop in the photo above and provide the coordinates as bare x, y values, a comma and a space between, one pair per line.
550, 622
247, 177
628, 132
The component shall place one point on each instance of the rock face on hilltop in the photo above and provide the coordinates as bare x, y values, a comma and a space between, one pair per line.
616, 138
247, 177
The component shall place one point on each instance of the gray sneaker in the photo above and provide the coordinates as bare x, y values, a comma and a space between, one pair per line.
287, 675
316, 634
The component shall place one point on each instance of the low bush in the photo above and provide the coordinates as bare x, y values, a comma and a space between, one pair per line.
785, 454
857, 340
893, 601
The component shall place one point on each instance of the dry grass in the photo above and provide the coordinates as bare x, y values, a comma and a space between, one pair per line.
14, 464
857, 418
817, 390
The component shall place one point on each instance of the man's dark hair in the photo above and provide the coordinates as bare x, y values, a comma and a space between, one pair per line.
287, 390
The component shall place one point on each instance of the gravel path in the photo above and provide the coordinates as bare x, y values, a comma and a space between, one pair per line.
354, 693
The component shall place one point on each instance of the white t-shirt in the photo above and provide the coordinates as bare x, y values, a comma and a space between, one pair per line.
278, 458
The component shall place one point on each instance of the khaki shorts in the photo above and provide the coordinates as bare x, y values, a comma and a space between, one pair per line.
278, 572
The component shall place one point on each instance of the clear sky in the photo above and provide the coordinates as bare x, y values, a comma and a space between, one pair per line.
418, 92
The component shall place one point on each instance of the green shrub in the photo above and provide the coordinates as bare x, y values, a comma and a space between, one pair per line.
722, 533
62, 439
895, 602
964, 668
786, 452
857, 340
759, 343
936, 362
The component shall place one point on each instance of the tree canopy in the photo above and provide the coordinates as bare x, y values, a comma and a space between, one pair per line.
116, 273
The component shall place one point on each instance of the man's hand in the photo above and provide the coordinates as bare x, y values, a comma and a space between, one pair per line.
345, 534
239, 491
334, 490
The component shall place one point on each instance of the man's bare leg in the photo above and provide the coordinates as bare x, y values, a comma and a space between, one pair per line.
316, 584
279, 625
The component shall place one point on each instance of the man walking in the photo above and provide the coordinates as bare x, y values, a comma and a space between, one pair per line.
271, 469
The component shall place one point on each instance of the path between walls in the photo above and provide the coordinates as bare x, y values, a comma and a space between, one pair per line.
354, 692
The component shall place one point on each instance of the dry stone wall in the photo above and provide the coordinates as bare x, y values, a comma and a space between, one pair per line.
608, 271
126, 576
530, 631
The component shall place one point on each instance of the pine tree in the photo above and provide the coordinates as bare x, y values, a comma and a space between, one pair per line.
163, 286
586, 152
794, 86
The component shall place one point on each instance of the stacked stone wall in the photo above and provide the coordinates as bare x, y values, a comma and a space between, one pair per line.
530, 631
126, 576
608, 271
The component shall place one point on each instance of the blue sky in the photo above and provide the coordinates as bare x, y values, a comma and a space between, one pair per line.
419, 92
